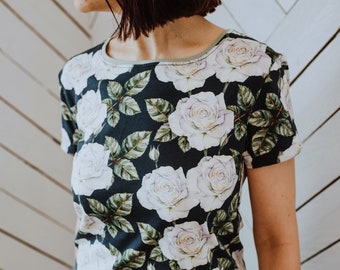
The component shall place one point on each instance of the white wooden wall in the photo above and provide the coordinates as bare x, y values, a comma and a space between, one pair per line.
37, 219
36, 37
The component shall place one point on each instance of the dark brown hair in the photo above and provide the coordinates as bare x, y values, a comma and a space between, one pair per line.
139, 17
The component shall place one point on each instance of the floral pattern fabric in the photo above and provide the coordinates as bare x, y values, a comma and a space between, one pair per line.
161, 148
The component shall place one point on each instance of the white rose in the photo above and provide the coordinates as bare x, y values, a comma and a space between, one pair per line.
88, 224
166, 190
238, 258
213, 180
76, 72
105, 71
188, 243
91, 113
65, 140
237, 59
292, 151
283, 84
90, 170
94, 256
185, 77
203, 119
248, 159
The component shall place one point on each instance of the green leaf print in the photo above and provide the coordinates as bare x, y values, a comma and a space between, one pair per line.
129, 106
240, 130
125, 169
224, 140
112, 145
164, 134
66, 113
133, 258
261, 118
150, 266
284, 128
225, 229
137, 83
157, 255
220, 217
159, 109
97, 207
114, 90
149, 234
120, 203
174, 265
224, 263
115, 252
77, 136
122, 224
112, 230
134, 145
113, 117
263, 142
221, 225
183, 143
234, 204
273, 101
245, 98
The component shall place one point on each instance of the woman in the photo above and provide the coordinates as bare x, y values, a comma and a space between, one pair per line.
166, 119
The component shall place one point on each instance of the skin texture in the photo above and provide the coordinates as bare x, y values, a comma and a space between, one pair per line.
272, 188
272, 194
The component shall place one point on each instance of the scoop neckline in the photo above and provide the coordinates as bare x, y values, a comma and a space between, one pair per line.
110, 60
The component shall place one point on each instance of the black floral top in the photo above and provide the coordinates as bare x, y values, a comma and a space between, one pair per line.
161, 147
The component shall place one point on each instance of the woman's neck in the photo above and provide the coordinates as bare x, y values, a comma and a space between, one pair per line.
182, 38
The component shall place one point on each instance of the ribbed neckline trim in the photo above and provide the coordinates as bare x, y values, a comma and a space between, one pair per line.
113, 61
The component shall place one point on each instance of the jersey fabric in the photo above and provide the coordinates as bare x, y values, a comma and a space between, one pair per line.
161, 149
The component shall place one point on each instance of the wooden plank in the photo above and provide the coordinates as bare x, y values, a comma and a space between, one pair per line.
34, 146
319, 222
26, 224
41, 61
328, 259
29, 97
258, 20
286, 4
223, 18
103, 27
301, 39
36, 190
318, 163
44, 16
27, 259
84, 19
315, 94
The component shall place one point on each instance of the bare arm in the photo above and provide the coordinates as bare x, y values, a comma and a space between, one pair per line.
272, 195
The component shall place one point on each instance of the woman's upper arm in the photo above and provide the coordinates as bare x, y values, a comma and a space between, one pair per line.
272, 194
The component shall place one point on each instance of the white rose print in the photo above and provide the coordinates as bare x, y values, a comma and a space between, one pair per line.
238, 258
203, 118
237, 59
185, 77
90, 169
104, 71
166, 190
94, 256
88, 224
65, 140
91, 113
188, 243
76, 72
213, 180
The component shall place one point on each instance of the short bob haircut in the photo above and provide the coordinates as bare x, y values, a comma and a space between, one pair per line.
139, 17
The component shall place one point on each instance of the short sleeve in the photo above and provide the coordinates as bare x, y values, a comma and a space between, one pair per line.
68, 119
271, 132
